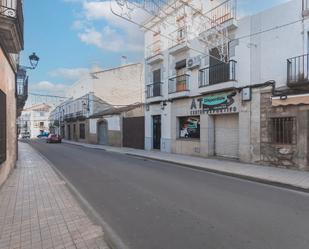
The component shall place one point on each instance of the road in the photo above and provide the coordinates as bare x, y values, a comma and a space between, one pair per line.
156, 205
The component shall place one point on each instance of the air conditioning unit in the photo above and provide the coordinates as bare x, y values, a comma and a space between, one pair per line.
194, 62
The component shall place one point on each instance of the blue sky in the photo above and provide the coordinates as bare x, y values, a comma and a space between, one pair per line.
71, 36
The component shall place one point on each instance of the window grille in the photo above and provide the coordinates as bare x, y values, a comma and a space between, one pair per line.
283, 130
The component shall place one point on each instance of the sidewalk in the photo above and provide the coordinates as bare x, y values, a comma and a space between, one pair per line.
278, 176
38, 211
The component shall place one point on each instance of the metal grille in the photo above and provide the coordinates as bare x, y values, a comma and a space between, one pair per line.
2, 127
133, 132
283, 130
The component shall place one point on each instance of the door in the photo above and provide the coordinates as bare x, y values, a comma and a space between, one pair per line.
156, 132
69, 132
133, 135
157, 83
181, 84
227, 135
102, 133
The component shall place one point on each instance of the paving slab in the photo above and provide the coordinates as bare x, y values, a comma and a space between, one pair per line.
37, 210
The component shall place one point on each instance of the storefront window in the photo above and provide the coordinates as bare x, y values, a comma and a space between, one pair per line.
189, 127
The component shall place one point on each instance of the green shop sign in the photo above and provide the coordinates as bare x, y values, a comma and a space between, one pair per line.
214, 103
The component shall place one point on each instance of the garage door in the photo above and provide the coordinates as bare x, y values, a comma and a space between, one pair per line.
133, 132
226, 136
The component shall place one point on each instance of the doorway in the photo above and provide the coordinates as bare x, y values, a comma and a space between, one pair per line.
156, 126
102, 133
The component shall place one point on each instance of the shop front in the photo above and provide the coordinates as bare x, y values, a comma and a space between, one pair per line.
207, 125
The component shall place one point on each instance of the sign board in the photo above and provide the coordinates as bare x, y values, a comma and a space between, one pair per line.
215, 104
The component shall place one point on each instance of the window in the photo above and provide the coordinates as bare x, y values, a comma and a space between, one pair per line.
82, 131
283, 130
2, 127
189, 127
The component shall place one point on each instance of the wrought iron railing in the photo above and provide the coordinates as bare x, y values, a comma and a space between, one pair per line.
222, 13
298, 69
154, 90
222, 72
13, 9
178, 84
178, 36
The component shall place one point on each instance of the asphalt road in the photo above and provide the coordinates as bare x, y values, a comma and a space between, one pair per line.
155, 205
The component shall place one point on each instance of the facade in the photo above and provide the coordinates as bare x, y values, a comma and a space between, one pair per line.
120, 127
34, 120
100, 91
217, 85
12, 87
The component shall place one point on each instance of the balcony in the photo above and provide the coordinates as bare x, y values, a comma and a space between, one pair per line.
12, 25
222, 72
154, 92
179, 86
178, 41
221, 17
154, 52
298, 71
21, 89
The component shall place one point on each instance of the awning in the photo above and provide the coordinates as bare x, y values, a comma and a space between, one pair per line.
291, 100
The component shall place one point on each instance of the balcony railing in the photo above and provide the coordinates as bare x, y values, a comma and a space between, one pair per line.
298, 70
13, 10
222, 13
178, 84
179, 36
222, 72
154, 49
154, 90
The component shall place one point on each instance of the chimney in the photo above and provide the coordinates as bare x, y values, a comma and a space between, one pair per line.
124, 60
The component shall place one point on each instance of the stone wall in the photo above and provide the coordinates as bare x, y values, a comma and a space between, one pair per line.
7, 85
292, 156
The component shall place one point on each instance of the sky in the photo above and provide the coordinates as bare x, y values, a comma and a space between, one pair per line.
72, 37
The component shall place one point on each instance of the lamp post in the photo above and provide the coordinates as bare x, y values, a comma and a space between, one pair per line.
34, 61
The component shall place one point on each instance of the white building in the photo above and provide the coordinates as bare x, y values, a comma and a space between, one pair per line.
99, 91
35, 120
205, 73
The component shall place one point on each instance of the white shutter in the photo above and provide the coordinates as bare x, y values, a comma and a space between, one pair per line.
227, 135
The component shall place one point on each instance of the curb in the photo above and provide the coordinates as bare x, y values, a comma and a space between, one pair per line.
244, 177
110, 237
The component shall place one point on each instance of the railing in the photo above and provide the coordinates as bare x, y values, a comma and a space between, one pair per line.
14, 9
222, 72
154, 49
154, 90
222, 13
178, 36
178, 84
298, 69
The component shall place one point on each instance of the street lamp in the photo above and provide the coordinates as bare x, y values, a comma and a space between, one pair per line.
34, 60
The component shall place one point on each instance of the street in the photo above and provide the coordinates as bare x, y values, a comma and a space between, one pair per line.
156, 205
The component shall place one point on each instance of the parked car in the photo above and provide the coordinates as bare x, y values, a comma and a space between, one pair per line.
43, 135
53, 138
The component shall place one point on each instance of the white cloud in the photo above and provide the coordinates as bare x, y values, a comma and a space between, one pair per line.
117, 35
109, 39
46, 86
69, 73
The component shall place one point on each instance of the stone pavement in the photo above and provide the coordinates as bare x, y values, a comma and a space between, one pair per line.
38, 211
274, 175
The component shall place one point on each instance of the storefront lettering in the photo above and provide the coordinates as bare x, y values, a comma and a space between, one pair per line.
214, 104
